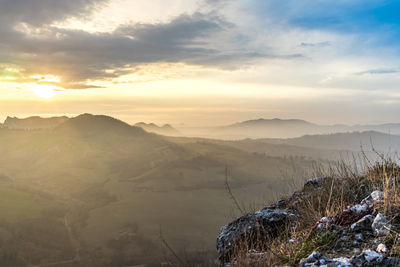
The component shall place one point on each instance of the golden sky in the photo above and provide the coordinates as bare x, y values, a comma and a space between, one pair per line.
200, 62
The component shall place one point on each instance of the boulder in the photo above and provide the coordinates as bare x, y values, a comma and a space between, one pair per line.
381, 226
368, 258
376, 197
317, 259
315, 183
364, 224
382, 248
253, 231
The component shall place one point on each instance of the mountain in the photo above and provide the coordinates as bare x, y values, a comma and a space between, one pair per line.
94, 191
32, 123
280, 128
354, 141
263, 128
388, 128
273, 122
333, 147
327, 146
98, 125
275, 127
162, 130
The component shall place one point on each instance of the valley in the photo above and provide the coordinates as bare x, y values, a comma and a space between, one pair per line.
109, 189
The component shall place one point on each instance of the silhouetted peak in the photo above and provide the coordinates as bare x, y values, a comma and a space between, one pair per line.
89, 123
275, 121
34, 122
166, 129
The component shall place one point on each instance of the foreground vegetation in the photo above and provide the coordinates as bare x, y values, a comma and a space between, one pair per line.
345, 187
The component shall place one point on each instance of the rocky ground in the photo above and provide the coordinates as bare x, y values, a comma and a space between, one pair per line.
286, 233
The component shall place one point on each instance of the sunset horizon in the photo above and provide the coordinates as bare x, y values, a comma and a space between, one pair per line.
199, 133
232, 60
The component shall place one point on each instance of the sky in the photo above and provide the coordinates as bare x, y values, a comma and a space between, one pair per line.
201, 62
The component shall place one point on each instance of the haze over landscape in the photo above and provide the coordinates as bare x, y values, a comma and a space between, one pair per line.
132, 131
201, 63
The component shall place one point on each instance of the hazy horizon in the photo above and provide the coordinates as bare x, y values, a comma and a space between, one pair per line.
206, 62
131, 119
220, 187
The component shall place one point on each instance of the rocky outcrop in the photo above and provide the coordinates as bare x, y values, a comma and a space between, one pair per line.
252, 231
357, 236
317, 259
369, 232
367, 258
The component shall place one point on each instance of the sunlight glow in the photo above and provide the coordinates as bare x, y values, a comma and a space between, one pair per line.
45, 91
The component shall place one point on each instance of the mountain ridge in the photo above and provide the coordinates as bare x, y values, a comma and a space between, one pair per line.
165, 129
34, 122
283, 128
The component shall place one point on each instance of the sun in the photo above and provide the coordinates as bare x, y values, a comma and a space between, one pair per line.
45, 91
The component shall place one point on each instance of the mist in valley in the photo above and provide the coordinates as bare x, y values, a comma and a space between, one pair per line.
169, 133
95, 191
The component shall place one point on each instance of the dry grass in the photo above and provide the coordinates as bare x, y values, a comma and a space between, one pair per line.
347, 185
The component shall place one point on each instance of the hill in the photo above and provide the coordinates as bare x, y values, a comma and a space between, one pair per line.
279, 128
263, 128
354, 141
388, 128
327, 146
166, 129
32, 123
106, 187
275, 127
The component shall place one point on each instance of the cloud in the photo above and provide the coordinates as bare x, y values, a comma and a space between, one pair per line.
78, 56
34, 46
39, 12
378, 71
222, 34
320, 44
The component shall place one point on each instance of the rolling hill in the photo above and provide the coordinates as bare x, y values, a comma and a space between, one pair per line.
352, 141
108, 187
280, 128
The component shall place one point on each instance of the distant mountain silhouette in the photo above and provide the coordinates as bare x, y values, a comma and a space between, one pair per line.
283, 128
355, 141
35, 122
272, 128
274, 122
389, 128
154, 128
89, 121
